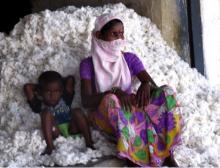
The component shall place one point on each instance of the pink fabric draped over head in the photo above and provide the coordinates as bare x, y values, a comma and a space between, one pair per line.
110, 66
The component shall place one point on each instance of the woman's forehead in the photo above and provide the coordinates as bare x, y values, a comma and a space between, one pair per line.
117, 26
104, 19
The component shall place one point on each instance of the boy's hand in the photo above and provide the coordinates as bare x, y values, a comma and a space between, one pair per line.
30, 90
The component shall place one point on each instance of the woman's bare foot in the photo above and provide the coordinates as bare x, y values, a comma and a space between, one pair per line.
131, 164
170, 162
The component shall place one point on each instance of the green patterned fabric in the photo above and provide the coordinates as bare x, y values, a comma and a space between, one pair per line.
137, 141
64, 129
141, 154
156, 92
144, 136
150, 136
125, 132
170, 102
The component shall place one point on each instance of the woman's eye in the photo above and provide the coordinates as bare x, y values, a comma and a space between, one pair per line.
114, 34
117, 34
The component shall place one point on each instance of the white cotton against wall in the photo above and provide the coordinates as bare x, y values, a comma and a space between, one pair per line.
210, 15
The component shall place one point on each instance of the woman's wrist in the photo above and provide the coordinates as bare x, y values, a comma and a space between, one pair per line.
147, 82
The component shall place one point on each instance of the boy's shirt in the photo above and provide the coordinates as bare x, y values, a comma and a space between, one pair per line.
61, 111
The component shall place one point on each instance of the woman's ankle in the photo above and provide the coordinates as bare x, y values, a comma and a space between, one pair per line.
170, 162
129, 163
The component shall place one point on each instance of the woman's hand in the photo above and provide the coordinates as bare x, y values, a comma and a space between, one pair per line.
143, 94
125, 99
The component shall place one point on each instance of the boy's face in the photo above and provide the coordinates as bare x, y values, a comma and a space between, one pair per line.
52, 93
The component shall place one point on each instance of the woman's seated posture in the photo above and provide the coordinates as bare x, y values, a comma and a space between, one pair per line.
144, 125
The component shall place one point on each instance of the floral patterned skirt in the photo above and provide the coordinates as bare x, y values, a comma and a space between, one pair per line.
144, 136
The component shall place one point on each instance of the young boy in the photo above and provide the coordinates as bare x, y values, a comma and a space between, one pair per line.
52, 98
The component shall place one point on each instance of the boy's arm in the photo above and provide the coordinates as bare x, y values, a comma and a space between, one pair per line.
69, 91
30, 91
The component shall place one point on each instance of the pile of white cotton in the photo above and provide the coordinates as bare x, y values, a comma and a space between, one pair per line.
58, 41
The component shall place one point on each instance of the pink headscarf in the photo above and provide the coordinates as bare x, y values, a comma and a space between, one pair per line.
111, 69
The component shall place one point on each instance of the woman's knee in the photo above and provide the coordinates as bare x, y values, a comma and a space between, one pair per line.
109, 98
110, 95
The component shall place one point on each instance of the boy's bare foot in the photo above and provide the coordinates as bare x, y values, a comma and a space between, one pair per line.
170, 162
47, 151
90, 145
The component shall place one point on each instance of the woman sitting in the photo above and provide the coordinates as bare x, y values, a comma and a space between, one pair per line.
145, 125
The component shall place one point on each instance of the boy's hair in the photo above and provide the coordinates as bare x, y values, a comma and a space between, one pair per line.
109, 25
48, 77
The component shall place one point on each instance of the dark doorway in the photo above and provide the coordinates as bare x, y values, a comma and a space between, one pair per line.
195, 35
11, 11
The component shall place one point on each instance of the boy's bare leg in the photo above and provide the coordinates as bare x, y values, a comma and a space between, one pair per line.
80, 122
47, 123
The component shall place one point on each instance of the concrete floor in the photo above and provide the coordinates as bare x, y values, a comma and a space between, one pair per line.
111, 162
107, 161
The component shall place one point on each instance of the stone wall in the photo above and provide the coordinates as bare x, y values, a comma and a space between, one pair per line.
170, 16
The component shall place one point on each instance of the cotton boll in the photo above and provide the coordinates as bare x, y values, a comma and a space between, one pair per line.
45, 160
36, 145
211, 154
12, 123
187, 157
102, 144
5, 142
70, 151
172, 78
20, 139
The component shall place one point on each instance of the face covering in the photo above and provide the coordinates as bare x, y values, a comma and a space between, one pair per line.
110, 66
113, 46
